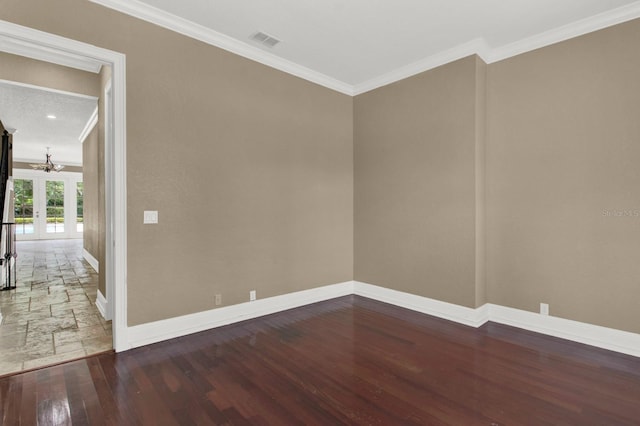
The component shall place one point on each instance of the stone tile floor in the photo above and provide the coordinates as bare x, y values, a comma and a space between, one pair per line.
51, 316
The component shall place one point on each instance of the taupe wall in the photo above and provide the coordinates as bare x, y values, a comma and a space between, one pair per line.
415, 183
563, 149
557, 206
44, 74
91, 205
252, 172
251, 169
98, 163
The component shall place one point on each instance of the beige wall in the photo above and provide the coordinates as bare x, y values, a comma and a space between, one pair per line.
563, 149
415, 184
98, 162
249, 168
555, 165
45, 74
252, 172
91, 206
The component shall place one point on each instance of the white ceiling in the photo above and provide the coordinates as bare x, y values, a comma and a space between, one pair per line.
356, 45
25, 108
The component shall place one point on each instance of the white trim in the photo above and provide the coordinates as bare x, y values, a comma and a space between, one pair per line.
449, 311
594, 335
565, 32
589, 334
474, 47
199, 32
91, 260
115, 172
48, 89
91, 123
43, 53
601, 337
477, 46
102, 305
157, 331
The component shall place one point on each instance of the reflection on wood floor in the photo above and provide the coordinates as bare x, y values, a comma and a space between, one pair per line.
349, 360
51, 316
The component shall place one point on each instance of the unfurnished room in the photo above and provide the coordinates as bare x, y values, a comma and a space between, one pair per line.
339, 212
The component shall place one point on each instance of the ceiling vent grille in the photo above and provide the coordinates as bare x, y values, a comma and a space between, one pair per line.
264, 39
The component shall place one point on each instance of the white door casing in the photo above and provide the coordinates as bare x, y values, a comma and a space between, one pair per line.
52, 48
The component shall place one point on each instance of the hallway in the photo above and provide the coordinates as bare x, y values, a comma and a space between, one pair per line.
51, 317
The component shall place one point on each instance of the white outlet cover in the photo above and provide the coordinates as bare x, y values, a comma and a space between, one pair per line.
252, 295
150, 216
544, 309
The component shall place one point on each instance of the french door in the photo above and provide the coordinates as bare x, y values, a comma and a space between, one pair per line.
47, 206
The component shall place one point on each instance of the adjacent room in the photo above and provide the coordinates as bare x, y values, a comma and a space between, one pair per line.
51, 314
416, 212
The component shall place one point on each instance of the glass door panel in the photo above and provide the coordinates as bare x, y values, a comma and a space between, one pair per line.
79, 206
54, 199
23, 207
48, 206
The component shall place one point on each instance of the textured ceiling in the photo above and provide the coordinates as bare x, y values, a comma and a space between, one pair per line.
356, 41
25, 108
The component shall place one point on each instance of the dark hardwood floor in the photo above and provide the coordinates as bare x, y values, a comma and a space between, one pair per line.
346, 361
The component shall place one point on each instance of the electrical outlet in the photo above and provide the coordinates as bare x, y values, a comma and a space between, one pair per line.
150, 216
218, 299
544, 309
252, 295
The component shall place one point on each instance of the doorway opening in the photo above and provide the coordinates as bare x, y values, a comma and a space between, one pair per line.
51, 312
36, 44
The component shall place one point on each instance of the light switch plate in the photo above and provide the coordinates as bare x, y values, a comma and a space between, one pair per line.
150, 216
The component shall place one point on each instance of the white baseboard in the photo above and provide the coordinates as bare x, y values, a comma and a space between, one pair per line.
601, 337
91, 260
457, 313
102, 305
594, 335
589, 334
157, 331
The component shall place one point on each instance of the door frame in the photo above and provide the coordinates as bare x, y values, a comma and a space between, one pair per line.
40, 45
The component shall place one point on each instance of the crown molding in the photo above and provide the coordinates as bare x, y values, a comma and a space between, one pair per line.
477, 46
490, 54
566, 32
474, 47
207, 35
91, 123
47, 89
43, 53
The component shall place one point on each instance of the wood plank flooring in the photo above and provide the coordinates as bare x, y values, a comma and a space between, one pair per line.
346, 361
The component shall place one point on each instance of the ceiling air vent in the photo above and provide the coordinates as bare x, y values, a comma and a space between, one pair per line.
264, 39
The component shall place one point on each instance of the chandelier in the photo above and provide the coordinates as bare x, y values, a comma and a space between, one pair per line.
48, 165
